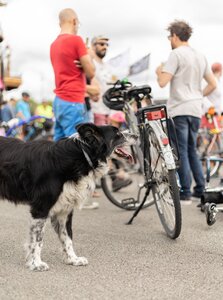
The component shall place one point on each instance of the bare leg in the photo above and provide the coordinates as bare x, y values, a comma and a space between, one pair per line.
62, 225
33, 258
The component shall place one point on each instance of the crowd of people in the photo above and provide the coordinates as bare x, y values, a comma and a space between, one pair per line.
82, 76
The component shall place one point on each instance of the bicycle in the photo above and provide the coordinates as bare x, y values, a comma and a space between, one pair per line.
32, 128
213, 196
121, 168
209, 142
159, 166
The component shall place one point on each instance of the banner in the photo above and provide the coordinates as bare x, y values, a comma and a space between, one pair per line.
140, 66
120, 64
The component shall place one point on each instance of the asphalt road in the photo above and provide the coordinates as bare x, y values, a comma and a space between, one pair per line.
125, 262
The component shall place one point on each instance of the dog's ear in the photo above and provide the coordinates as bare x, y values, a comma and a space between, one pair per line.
87, 130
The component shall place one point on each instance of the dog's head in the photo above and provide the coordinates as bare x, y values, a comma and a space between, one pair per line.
106, 139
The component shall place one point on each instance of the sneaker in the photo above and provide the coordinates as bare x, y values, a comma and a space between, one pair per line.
119, 183
186, 201
196, 195
185, 197
92, 205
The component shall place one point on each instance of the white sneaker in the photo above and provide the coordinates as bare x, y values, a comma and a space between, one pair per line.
92, 205
186, 202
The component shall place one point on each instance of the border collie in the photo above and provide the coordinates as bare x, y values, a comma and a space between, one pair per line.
53, 177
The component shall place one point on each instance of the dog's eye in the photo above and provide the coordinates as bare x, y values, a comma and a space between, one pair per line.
119, 134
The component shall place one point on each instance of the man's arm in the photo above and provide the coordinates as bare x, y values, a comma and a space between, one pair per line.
93, 89
211, 84
163, 78
87, 66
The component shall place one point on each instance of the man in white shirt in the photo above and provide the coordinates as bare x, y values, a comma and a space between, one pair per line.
103, 75
184, 70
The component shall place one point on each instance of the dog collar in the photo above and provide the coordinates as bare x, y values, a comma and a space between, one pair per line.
87, 158
75, 137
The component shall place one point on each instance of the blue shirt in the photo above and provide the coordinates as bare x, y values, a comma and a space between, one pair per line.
7, 113
24, 108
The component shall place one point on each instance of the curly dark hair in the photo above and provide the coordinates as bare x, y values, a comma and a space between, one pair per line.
181, 28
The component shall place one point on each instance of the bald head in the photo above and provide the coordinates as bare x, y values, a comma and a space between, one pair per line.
67, 15
68, 21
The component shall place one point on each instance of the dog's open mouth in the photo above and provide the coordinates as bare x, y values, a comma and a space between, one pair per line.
124, 154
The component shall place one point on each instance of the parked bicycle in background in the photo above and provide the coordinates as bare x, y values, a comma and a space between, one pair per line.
154, 153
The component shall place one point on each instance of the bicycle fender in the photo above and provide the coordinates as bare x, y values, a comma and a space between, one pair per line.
165, 147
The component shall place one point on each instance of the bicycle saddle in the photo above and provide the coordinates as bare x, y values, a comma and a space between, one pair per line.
139, 91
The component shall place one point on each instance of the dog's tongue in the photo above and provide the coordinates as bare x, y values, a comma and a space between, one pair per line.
124, 154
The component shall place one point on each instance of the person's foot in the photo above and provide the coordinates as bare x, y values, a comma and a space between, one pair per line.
196, 195
185, 200
119, 183
92, 205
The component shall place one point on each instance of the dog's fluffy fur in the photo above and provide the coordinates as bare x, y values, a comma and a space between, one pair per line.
53, 177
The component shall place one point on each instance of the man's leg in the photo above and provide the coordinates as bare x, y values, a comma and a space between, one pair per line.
58, 111
182, 131
74, 114
195, 162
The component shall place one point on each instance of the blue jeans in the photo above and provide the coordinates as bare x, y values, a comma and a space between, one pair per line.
68, 115
186, 131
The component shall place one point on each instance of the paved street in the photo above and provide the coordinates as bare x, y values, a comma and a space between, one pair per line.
125, 262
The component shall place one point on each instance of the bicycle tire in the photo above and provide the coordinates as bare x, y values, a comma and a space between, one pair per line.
121, 197
203, 141
165, 189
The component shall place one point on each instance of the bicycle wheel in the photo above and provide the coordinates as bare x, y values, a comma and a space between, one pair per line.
208, 145
165, 189
123, 180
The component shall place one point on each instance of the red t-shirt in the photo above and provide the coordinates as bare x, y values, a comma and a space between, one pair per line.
70, 80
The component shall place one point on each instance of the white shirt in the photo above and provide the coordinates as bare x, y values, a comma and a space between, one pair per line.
188, 68
103, 75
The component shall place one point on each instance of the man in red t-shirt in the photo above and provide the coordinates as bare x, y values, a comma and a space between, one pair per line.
71, 64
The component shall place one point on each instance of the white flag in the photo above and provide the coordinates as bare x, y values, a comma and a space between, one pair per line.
120, 64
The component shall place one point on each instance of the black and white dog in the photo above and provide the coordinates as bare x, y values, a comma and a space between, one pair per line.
53, 177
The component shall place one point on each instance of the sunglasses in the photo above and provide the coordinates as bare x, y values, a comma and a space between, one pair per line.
102, 44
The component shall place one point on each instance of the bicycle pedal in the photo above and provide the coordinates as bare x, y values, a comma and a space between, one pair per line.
129, 202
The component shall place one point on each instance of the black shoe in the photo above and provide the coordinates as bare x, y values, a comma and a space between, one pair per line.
119, 183
185, 197
197, 195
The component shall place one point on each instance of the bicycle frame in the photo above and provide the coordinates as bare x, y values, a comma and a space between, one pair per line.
158, 156
156, 124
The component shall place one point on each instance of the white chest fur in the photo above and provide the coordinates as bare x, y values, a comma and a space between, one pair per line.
76, 194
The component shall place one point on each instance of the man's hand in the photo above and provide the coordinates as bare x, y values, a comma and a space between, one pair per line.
163, 78
159, 69
78, 64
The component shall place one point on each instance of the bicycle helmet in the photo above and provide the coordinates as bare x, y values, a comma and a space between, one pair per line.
114, 99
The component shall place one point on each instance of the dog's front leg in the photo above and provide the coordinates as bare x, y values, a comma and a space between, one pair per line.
62, 226
33, 258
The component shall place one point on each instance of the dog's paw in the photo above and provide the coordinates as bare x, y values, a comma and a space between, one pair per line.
40, 267
77, 261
